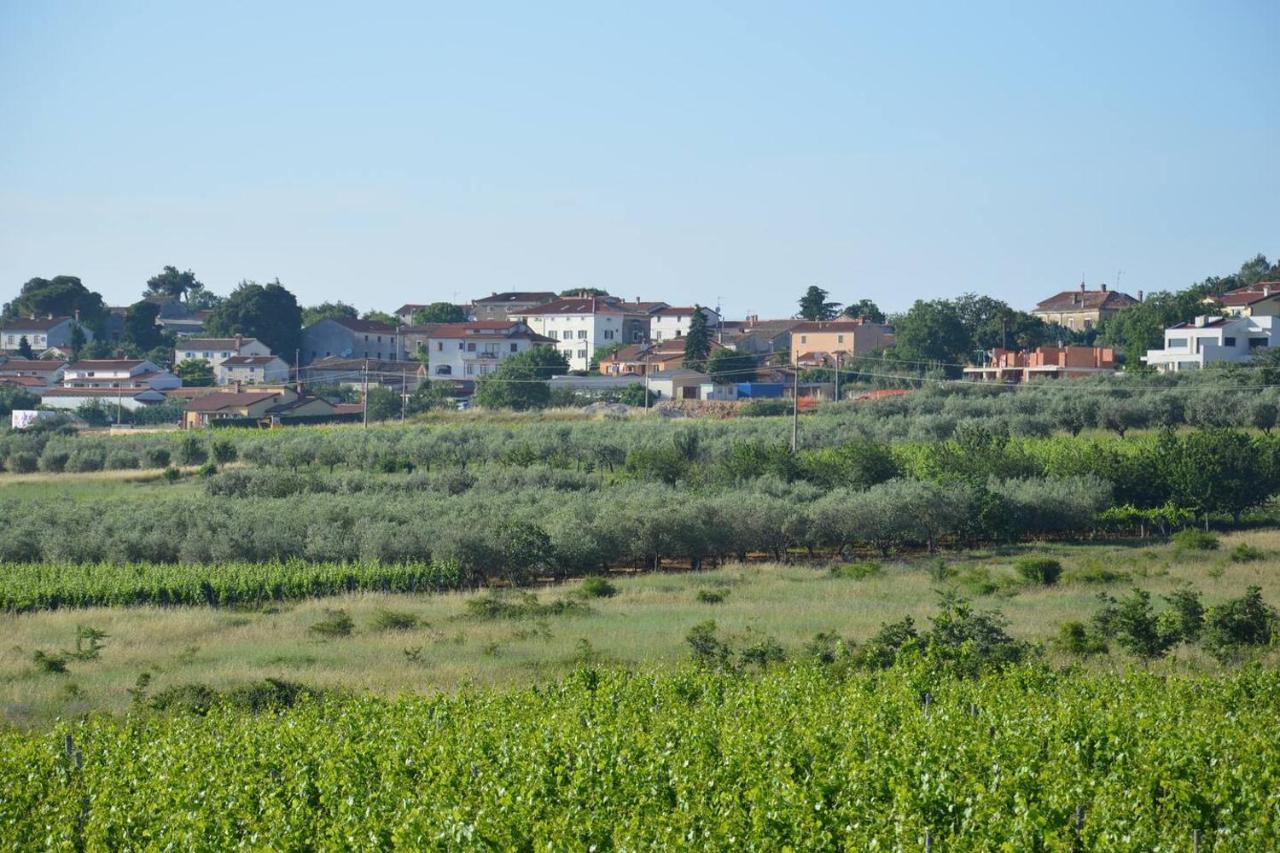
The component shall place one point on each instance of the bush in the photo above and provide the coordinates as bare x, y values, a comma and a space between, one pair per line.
1194, 540
223, 451
1041, 570
394, 620
23, 462
191, 450
1075, 638
54, 461
1094, 572
712, 596
85, 460
157, 457
595, 586
1246, 553
1244, 622
122, 460
709, 651
336, 623
171, 474
857, 571
765, 408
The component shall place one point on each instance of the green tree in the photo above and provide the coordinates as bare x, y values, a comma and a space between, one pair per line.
426, 397
268, 312
328, 311
13, 397
140, 330
199, 298
582, 292
24, 348
512, 386
864, 308
195, 372
380, 317
60, 296
545, 362
814, 305
384, 404
602, 353
726, 365
697, 343
440, 312
931, 331
78, 340
173, 284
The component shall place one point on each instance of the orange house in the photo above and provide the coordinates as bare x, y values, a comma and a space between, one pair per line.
1044, 362
817, 343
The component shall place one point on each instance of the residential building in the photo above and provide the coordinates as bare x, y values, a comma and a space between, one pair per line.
819, 343
509, 305
1071, 362
677, 384
1206, 340
350, 338
123, 373
201, 411
251, 370
414, 339
758, 337
43, 373
177, 317
472, 350
580, 326
40, 332
1082, 310
217, 350
129, 397
1257, 300
639, 359
668, 322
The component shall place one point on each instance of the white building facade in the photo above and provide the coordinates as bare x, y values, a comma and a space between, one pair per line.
668, 323
217, 350
251, 370
1206, 340
581, 326
472, 350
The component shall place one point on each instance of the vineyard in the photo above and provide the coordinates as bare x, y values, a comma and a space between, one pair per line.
797, 758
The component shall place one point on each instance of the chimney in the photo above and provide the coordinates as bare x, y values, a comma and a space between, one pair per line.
1139, 295
77, 316
637, 299
1082, 287
1104, 287
239, 343
237, 386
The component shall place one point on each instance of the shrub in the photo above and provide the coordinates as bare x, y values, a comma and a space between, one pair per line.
224, 451
709, 651
54, 461
712, 596
51, 663
1191, 539
1246, 553
1184, 620
763, 652
860, 570
23, 462
1075, 638
1137, 629
208, 469
1041, 570
191, 450
171, 474
1243, 622
883, 649
84, 460
394, 620
336, 623
157, 457
765, 408
121, 460
595, 586
1094, 572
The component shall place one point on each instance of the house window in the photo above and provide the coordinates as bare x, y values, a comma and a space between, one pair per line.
804, 339
582, 334
471, 346
582, 353
515, 347
470, 369
1175, 343
379, 338
1228, 342
206, 355
1254, 343
839, 339
366, 338
439, 346
608, 334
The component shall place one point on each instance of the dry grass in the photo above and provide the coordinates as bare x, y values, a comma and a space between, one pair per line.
643, 626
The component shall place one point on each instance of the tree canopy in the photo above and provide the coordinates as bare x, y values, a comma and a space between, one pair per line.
931, 331
864, 308
727, 365
440, 312
584, 291
61, 296
173, 284
24, 348
268, 312
814, 305
697, 343
141, 334
195, 372
328, 311
381, 317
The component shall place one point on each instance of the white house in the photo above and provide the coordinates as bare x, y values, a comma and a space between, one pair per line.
582, 325
252, 370
118, 373
471, 350
41, 373
40, 332
1205, 340
667, 323
217, 350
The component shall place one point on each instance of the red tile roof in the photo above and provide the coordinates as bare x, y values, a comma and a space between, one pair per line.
217, 402
1249, 295
35, 324
240, 360
1086, 300
817, 326
107, 364
516, 296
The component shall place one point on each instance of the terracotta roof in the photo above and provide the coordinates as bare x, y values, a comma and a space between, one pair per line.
34, 324
1249, 295
832, 326
516, 296
132, 391
462, 330
285, 408
213, 343
645, 307
44, 365
217, 402
236, 360
190, 392
23, 381
1086, 300
589, 305
669, 311
347, 408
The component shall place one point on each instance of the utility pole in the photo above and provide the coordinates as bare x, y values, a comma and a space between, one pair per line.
795, 407
119, 405
404, 392
646, 387
838, 376
365, 384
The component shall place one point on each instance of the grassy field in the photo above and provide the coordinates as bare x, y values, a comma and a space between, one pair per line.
642, 627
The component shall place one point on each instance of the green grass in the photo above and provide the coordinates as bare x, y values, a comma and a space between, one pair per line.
643, 626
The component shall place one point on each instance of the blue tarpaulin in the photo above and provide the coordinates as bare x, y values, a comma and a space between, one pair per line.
758, 390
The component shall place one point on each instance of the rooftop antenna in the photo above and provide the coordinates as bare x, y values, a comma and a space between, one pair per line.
1118, 274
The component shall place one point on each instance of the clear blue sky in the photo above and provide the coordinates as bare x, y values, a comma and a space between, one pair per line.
383, 152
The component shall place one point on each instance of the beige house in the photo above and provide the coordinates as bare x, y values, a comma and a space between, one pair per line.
1082, 310
817, 343
1257, 300
264, 405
